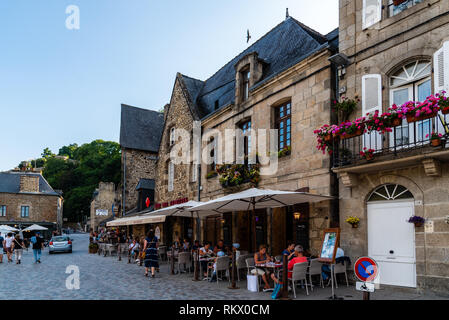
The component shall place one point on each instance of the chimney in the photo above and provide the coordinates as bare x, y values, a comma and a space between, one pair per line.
29, 183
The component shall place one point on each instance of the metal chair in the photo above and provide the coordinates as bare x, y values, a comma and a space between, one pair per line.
184, 258
222, 264
341, 268
299, 274
162, 252
250, 264
314, 270
241, 264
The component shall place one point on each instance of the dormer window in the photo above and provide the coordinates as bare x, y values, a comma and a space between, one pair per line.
245, 76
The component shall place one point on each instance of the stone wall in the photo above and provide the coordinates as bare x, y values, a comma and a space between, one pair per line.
29, 183
139, 165
43, 208
104, 200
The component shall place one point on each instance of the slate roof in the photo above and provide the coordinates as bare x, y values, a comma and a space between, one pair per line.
285, 45
147, 184
141, 129
10, 183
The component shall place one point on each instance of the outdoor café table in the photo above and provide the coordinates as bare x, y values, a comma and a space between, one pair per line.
276, 267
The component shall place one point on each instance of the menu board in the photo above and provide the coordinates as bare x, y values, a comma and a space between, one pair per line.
329, 246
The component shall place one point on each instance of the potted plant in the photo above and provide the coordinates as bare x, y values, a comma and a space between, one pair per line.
93, 248
417, 221
285, 152
435, 139
211, 174
345, 107
368, 154
353, 221
443, 102
418, 111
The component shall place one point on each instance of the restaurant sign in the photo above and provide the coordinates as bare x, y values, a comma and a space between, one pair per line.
101, 212
171, 203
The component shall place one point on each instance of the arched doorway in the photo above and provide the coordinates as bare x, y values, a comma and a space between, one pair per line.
391, 239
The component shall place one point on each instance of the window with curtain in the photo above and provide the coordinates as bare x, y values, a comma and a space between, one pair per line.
2, 211
25, 211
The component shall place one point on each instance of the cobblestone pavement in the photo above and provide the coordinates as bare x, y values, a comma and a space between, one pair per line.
106, 278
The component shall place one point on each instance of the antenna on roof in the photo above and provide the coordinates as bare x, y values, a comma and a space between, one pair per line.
287, 15
248, 36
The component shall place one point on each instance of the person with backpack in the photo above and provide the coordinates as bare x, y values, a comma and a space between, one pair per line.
1, 247
38, 245
18, 246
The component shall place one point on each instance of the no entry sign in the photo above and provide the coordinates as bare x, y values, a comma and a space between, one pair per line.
366, 269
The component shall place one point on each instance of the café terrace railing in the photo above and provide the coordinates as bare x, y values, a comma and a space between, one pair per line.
403, 139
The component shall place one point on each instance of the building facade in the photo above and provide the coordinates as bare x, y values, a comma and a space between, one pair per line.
396, 53
105, 204
26, 198
283, 81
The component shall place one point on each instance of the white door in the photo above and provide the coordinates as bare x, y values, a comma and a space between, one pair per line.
391, 241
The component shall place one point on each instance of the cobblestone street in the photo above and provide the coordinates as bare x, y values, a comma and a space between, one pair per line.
106, 278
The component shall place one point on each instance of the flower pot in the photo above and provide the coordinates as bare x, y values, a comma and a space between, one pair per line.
396, 122
418, 224
93, 250
328, 138
413, 118
445, 110
435, 142
355, 225
358, 133
369, 157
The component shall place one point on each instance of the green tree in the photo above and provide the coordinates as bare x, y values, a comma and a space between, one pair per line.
47, 153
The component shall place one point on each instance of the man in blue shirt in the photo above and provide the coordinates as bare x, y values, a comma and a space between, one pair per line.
1, 247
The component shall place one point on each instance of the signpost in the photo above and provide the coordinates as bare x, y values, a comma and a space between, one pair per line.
328, 252
366, 270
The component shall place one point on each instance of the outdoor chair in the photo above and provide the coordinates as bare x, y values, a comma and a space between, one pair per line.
341, 268
101, 247
299, 274
315, 270
279, 258
112, 249
162, 252
184, 258
222, 264
250, 265
241, 264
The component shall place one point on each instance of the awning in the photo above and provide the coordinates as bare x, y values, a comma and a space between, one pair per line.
181, 210
136, 220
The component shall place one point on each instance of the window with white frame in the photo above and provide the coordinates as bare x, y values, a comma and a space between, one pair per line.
397, 6
2, 211
25, 212
372, 13
411, 82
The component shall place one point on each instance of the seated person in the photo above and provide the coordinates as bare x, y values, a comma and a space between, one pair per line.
196, 245
214, 274
221, 247
262, 257
290, 251
325, 268
205, 252
186, 245
134, 249
298, 258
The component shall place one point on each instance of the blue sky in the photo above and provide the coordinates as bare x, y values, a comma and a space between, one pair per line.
60, 86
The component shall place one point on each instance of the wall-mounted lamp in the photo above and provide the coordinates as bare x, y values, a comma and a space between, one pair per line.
297, 215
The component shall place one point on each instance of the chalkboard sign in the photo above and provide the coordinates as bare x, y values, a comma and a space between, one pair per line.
329, 247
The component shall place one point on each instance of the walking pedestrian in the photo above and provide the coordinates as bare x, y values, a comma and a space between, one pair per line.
18, 246
8, 246
151, 257
38, 245
1, 247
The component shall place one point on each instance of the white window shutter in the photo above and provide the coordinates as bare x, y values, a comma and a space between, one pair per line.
441, 68
171, 169
372, 102
371, 13
371, 93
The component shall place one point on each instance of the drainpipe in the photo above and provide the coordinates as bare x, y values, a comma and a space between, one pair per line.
124, 184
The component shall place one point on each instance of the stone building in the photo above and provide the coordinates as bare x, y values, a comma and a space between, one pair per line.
396, 53
283, 81
105, 204
26, 198
140, 134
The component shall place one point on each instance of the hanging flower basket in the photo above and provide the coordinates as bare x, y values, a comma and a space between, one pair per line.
328, 138
353, 221
396, 122
417, 221
445, 110
358, 133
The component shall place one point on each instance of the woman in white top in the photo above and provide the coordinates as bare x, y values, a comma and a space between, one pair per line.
8, 246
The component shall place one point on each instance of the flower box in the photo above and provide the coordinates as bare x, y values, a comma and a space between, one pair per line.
328, 138
435, 142
396, 122
445, 110
412, 118
359, 132
398, 2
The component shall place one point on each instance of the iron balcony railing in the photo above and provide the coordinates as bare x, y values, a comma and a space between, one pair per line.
405, 138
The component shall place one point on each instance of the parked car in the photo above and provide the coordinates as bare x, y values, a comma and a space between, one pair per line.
60, 244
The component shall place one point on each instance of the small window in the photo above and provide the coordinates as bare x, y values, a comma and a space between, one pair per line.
171, 176
245, 74
217, 104
194, 172
246, 130
400, 6
284, 125
390, 192
2, 211
25, 212
172, 136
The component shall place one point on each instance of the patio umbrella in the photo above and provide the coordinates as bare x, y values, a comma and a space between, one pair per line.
257, 199
181, 210
35, 227
8, 228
